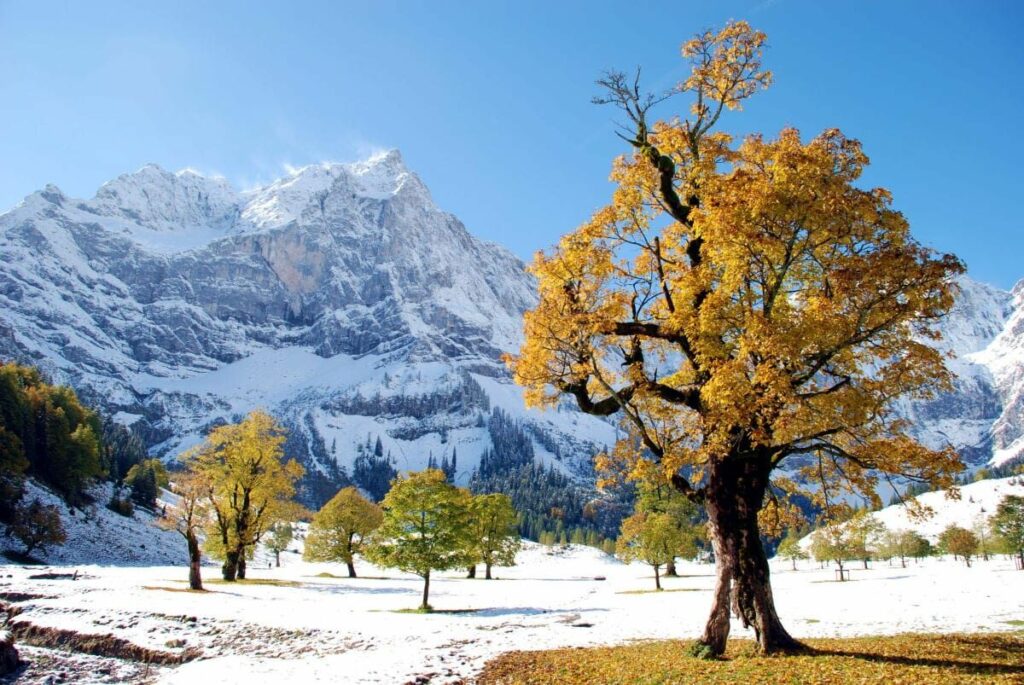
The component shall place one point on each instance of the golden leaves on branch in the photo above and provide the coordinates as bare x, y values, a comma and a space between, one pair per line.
795, 302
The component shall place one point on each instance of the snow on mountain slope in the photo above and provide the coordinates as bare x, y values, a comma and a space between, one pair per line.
98, 536
977, 501
340, 298
1004, 358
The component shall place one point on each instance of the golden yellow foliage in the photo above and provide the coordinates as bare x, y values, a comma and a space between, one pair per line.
742, 299
907, 659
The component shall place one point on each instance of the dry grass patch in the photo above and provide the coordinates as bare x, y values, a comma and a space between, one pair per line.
253, 581
991, 658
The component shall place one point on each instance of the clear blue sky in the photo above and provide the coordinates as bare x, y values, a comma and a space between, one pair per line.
489, 101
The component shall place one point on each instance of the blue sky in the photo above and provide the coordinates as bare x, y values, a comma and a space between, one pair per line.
489, 101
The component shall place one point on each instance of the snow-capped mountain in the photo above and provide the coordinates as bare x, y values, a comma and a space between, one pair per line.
339, 298
343, 300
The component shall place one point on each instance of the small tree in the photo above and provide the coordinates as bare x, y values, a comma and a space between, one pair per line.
188, 516
652, 538
495, 532
341, 528
864, 533
959, 542
426, 527
904, 543
655, 496
281, 535
37, 526
790, 548
1008, 525
983, 531
920, 547
145, 480
832, 543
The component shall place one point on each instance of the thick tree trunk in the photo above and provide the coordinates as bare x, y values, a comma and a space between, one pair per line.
425, 606
277, 558
657, 577
195, 580
487, 572
670, 569
229, 569
471, 571
733, 497
241, 564
351, 568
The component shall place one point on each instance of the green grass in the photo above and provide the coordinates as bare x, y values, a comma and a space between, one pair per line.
989, 658
172, 589
1014, 622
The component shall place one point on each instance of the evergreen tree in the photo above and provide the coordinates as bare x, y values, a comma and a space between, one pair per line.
47, 428
145, 480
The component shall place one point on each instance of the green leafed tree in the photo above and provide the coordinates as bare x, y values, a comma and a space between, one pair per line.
653, 538
865, 534
901, 544
790, 549
281, 535
655, 497
341, 529
426, 528
495, 531
1008, 525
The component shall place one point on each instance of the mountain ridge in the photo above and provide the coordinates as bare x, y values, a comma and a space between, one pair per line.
341, 298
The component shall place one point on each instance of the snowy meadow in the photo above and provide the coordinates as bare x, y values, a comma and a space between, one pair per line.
306, 623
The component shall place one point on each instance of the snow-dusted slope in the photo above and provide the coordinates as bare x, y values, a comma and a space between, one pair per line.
1004, 358
98, 536
344, 301
339, 298
964, 417
977, 501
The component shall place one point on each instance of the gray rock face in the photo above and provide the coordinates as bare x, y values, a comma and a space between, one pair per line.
176, 302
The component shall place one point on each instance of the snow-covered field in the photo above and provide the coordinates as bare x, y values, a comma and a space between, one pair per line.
333, 629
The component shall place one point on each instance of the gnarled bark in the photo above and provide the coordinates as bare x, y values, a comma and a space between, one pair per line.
734, 494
